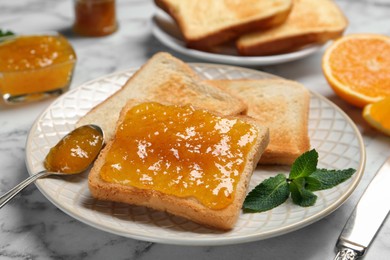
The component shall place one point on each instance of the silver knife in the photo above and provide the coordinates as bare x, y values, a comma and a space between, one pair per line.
367, 217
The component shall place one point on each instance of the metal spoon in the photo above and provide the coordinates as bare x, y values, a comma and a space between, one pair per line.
68, 145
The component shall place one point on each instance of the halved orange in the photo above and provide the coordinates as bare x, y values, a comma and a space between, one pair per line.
378, 115
357, 67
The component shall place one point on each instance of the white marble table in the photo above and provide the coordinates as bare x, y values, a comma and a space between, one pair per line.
32, 228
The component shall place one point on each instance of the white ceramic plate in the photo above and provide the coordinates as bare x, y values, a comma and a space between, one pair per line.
166, 31
332, 134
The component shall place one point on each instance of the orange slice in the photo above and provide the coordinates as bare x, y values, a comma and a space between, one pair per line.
357, 67
378, 115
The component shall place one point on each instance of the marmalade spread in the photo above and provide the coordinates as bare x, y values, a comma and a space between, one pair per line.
180, 151
75, 152
95, 17
34, 64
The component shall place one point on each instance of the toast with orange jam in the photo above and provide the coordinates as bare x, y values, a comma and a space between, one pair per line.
186, 161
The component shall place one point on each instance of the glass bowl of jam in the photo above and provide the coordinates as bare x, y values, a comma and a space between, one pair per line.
35, 66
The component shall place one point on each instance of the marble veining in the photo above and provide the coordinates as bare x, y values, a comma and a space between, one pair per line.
33, 228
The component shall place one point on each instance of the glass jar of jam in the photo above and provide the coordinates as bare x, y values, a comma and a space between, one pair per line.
95, 17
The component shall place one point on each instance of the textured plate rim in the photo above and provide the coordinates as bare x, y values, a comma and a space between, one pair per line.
178, 45
211, 241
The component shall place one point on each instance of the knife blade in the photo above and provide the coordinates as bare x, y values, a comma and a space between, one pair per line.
367, 217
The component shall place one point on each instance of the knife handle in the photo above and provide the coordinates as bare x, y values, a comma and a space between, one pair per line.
345, 253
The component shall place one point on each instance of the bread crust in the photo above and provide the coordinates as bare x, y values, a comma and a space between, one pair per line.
282, 106
189, 207
286, 44
227, 33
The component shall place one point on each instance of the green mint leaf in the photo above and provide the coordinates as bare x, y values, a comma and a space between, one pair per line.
5, 33
267, 195
304, 178
304, 165
313, 184
323, 179
300, 195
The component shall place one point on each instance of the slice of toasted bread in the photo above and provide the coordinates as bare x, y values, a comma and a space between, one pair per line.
209, 23
282, 106
310, 22
163, 79
172, 169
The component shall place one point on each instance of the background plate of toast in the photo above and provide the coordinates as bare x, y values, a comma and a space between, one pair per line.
332, 134
167, 32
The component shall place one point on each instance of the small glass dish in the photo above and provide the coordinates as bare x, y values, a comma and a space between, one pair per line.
35, 66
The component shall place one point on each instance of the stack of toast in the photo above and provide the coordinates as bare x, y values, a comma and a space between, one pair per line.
276, 111
256, 28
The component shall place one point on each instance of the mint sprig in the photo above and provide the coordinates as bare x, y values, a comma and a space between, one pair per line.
303, 180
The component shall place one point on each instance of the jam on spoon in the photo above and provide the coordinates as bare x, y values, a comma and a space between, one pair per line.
75, 152
71, 155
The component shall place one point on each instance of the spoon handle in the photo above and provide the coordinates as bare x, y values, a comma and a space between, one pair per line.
18, 188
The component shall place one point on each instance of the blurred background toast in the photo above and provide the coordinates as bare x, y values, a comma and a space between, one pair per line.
310, 22
208, 23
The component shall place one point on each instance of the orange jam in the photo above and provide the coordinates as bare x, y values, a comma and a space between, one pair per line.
180, 151
76, 151
34, 64
95, 17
